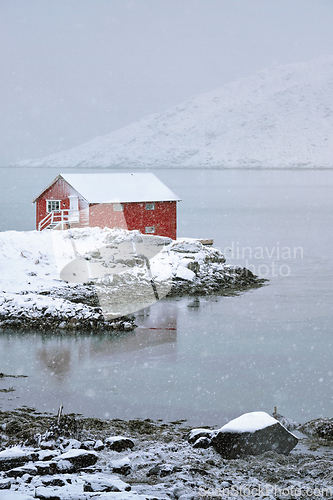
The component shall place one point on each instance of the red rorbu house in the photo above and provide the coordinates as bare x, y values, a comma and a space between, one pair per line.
129, 201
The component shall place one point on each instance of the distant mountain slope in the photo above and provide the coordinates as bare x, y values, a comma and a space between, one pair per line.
280, 117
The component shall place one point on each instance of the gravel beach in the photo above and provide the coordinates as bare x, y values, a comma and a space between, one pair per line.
72, 457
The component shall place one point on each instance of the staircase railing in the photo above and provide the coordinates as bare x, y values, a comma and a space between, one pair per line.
52, 219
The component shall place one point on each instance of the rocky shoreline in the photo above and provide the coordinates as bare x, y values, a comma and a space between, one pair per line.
82, 312
33, 296
71, 457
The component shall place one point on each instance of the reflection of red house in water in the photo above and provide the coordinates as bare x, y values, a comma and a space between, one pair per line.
130, 201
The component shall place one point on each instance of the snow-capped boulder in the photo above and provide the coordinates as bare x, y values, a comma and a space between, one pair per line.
13, 457
252, 434
77, 458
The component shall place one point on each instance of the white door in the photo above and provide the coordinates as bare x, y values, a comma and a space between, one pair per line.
73, 215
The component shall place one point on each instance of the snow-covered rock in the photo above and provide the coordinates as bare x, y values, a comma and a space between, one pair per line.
121, 466
78, 458
103, 483
252, 434
319, 428
13, 457
288, 423
196, 434
281, 117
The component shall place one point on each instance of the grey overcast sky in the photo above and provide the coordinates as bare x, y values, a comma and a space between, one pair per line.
71, 70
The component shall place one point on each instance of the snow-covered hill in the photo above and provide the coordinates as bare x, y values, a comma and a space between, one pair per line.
281, 117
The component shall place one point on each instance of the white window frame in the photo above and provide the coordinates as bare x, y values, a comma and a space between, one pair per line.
150, 230
150, 205
118, 207
50, 206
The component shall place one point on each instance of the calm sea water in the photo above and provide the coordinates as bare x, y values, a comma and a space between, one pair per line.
210, 359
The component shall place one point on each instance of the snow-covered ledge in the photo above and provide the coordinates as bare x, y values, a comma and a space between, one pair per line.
40, 288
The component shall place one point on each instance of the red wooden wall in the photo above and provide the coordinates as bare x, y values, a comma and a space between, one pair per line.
135, 216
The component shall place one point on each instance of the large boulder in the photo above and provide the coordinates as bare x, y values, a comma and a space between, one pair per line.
253, 434
319, 428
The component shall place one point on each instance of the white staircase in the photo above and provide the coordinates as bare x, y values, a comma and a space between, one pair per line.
56, 220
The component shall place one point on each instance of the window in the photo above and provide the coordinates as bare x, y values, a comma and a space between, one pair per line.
150, 206
118, 207
150, 229
53, 205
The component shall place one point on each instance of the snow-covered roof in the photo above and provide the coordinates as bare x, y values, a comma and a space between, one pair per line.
118, 187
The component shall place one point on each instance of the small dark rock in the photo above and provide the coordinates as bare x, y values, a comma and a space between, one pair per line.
202, 442
154, 471
46, 468
162, 470
119, 443
20, 471
196, 470
53, 481
195, 434
166, 472
124, 470
88, 445
105, 485
5, 485
99, 445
